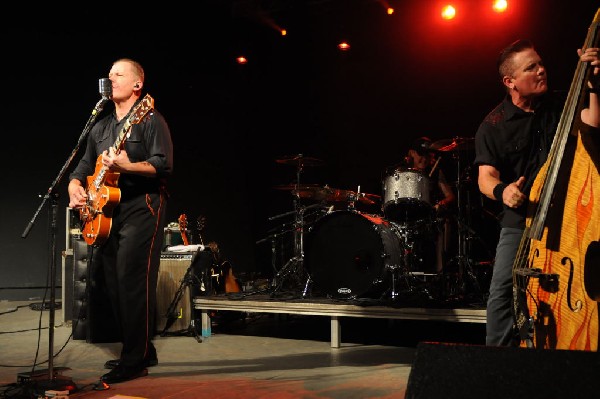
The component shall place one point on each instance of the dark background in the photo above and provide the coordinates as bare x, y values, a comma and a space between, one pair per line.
406, 75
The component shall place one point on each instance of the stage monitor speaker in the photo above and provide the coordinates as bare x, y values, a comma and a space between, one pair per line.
171, 275
93, 318
469, 371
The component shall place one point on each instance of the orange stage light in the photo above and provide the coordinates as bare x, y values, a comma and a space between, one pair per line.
343, 46
500, 5
241, 60
448, 12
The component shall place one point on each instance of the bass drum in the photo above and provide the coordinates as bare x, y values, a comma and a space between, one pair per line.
349, 255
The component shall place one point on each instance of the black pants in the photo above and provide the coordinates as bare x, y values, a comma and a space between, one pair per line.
130, 259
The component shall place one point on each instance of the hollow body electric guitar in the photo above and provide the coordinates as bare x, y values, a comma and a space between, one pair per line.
103, 193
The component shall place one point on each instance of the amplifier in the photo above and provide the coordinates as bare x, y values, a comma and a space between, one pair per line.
177, 255
170, 277
171, 274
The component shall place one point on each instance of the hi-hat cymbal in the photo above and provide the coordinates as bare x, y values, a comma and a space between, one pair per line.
300, 160
454, 144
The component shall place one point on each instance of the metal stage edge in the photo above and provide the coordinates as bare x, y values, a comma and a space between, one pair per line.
333, 310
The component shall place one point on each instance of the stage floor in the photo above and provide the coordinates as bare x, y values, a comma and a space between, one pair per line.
251, 355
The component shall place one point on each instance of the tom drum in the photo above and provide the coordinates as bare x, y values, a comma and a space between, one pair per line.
406, 196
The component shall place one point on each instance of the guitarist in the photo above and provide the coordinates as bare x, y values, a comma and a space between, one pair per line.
511, 145
130, 255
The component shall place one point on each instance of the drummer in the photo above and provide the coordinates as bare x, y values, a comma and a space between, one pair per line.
421, 158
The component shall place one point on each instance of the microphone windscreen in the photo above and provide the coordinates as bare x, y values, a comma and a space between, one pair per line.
105, 87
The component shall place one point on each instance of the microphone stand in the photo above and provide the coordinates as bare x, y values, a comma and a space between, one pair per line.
39, 385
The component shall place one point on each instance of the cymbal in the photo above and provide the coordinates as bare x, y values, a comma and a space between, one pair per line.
300, 160
328, 194
369, 199
290, 187
348, 195
306, 191
455, 144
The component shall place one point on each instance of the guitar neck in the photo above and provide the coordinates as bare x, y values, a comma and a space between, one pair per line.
118, 144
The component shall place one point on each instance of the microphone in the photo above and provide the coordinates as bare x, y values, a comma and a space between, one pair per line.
105, 88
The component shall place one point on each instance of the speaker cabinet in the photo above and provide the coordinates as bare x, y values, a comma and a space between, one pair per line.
470, 371
67, 285
93, 318
79, 274
171, 273
181, 277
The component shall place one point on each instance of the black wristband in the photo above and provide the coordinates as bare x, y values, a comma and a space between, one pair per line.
498, 190
594, 90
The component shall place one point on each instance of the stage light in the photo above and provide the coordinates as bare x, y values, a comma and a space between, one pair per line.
448, 12
500, 5
241, 60
386, 5
283, 32
343, 46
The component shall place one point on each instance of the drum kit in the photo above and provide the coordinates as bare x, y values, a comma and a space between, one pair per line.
349, 254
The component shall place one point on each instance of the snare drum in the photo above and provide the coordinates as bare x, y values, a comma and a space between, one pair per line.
349, 254
406, 196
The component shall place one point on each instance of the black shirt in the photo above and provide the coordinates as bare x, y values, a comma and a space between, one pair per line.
516, 143
149, 140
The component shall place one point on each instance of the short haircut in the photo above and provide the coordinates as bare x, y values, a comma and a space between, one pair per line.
505, 64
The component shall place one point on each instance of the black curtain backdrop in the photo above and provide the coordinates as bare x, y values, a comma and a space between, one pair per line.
406, 75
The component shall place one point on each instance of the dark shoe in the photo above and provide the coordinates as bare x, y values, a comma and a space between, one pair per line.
111, 364
122, 373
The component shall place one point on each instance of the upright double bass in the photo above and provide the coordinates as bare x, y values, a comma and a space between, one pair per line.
556, 273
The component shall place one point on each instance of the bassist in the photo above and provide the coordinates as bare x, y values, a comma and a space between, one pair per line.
129, 254
512, 143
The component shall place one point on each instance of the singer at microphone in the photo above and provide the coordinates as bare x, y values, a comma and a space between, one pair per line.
124, 211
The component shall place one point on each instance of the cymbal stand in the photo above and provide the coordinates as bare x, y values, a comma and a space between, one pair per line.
412, 281
294, 267
464, 265
273, 235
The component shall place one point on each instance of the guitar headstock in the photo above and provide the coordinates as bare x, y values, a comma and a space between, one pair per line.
141, 109
201, 222
182, 221
183, 228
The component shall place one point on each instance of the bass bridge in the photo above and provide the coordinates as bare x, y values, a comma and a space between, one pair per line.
548, 281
